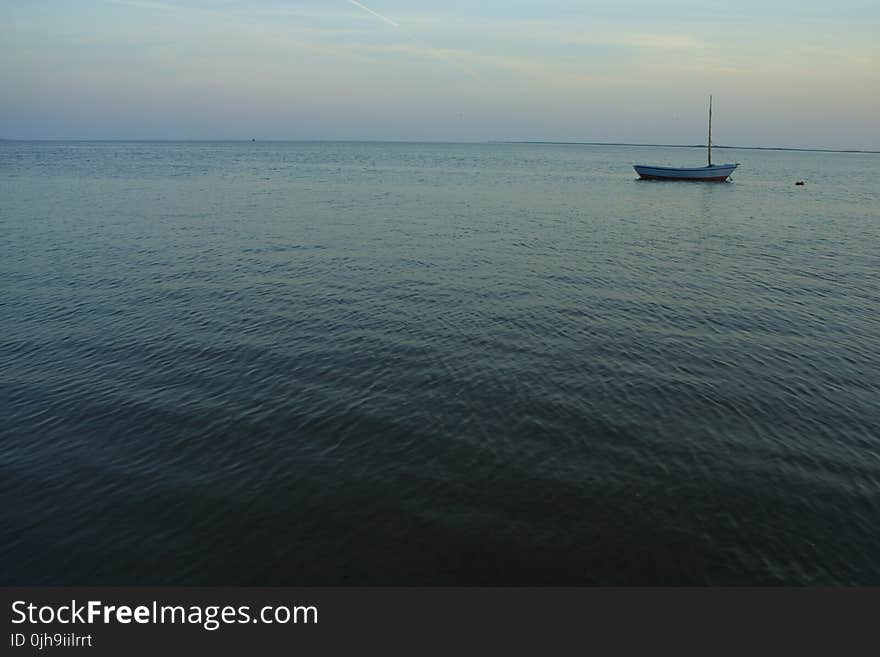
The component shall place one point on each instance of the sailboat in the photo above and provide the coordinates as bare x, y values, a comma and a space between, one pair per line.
712, 172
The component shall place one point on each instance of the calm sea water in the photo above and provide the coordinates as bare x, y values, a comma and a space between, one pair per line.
346, 363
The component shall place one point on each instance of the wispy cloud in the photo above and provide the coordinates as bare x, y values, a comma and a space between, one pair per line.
144, 4
440, 54
654, 41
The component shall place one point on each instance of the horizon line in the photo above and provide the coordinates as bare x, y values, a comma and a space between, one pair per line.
743, 148
430, 141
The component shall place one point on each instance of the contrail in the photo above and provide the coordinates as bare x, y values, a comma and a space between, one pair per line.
467, 69
375, 13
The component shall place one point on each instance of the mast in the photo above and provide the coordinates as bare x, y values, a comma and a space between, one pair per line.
710, 130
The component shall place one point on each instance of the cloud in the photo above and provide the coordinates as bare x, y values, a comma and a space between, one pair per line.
435, 52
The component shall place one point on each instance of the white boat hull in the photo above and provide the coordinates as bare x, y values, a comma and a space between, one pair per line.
713, 173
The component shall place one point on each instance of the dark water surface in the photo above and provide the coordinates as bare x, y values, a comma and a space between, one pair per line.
327, 363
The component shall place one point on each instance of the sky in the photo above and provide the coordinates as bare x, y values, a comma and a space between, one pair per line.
782, 72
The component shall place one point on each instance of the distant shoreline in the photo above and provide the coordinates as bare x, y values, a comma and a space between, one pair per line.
491, 141
743, 148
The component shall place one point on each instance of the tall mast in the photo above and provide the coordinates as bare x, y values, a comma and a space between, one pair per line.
710, 129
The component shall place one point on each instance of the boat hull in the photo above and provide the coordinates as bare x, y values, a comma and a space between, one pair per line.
714, 173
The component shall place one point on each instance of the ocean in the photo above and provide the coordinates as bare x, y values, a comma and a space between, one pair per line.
307, 363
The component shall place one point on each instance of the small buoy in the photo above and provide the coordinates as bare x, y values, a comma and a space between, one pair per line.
799, 182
